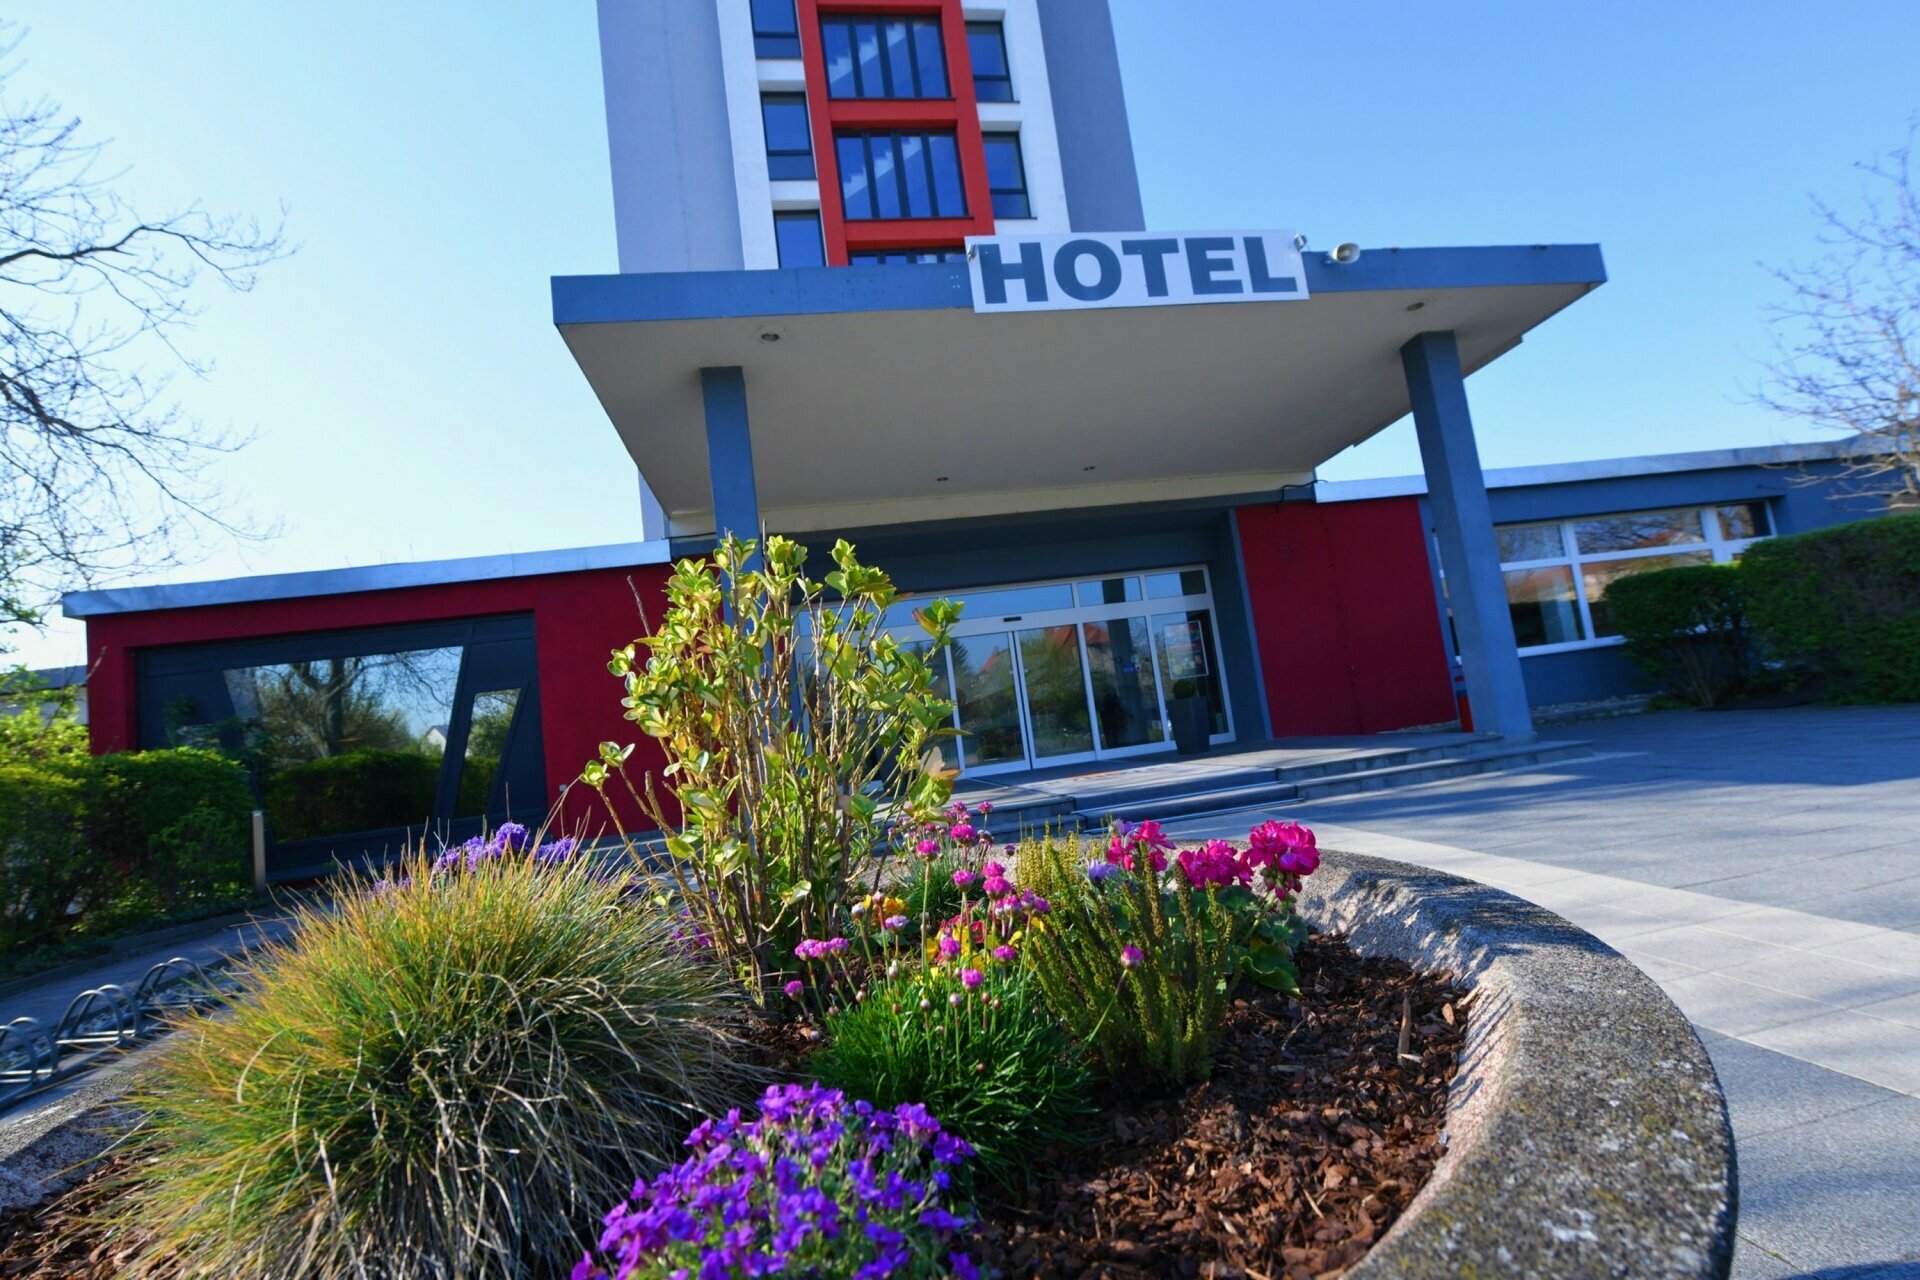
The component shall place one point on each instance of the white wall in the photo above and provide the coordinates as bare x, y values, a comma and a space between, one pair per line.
1031, 115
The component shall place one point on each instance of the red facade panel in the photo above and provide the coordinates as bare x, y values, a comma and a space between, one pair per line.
829, 116
1345, 621
579, 619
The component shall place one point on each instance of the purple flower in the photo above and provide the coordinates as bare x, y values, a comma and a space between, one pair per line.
949, 945
1098, 871
1132, 957
997, 887
971, 978
511, 837
1005, 954
927, 848
993, 869
962, 832
964, 878
895, 923
794, 987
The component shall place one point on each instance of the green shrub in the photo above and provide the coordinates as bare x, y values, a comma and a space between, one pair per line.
989, 1059
1687, 628
366, 790
43, 867
1138, 963
448, 1076
795, 725
1846, 602
176, 821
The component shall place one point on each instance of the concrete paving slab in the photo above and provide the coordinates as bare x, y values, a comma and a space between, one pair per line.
1768, 1091
1857, 1044
1840, 1191
1724, 1003
1904, 1009
1889, 950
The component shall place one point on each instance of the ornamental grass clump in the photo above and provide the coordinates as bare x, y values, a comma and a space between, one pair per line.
443, 1078
815, 1186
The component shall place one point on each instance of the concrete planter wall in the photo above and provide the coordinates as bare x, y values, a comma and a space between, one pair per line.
1587, 1135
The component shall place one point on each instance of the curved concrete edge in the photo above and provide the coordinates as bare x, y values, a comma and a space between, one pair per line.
1587, 1134
47, 1149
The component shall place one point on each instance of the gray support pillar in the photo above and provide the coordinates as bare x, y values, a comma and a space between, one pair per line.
1463, 523
736, 501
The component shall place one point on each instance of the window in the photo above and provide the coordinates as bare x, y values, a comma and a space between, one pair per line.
896, 257
869, 57
987, 50
1007, 176
797, 236
789, 142
776, 29
900, 175
1557, 571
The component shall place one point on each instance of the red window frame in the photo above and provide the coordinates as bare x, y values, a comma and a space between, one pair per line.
959, 113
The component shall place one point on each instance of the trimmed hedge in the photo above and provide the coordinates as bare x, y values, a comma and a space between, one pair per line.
1845, 602
1687, 627
358, 791
43, 866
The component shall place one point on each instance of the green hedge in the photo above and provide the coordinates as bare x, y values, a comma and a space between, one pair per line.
100, 845
358, 791
1845, 603
1687, 627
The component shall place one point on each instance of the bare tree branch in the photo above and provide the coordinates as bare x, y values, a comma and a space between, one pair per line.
100, 468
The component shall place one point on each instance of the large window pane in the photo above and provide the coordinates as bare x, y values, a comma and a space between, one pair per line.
797, 236
856, 183
885, 151
1190, 659
1007, 176
1530, 542
871, 57
789, 141
1637, 530
1600, 574
487, 728
983, 690
900, 175
900, 257
1166, 586
1056, 691
987, 50
949, 196
1120, 660
1744, 520
347, 744
913, 166
1543, 606
776, 29
1110, 591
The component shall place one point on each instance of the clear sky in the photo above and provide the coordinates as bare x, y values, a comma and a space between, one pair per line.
440, 160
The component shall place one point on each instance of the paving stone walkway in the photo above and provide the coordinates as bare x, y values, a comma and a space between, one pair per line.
1764, 868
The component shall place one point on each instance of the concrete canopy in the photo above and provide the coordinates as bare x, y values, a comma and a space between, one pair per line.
877, 395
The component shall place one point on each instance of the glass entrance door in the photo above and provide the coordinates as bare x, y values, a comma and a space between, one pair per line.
1063, 672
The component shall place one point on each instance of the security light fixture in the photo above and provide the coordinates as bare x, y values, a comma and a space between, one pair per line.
1344, 255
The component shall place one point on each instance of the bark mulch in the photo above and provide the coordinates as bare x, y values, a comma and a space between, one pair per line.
1308, 1141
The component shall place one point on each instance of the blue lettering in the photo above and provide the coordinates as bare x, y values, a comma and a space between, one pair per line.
1262, 280
1066, 270
1153, 260
1206, 259
994, 273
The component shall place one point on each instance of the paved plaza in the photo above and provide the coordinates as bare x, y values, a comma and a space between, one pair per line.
1764, 868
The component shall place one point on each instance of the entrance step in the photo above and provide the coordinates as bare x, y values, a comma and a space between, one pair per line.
1030, 809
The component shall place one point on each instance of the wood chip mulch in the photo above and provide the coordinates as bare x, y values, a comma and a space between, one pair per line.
47, 1241
1308, 1141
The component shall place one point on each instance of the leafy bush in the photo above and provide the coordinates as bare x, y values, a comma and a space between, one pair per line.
436, 1079
1845, 600
43, 867
174, 823
366, 790
1138, 963
815, 1186
976, 1046
1687, 628
792, 722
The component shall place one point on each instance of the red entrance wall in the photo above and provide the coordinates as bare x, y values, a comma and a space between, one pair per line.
579, 619
1344, 616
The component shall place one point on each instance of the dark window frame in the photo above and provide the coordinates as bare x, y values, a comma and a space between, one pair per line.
903, 190
776, 41
915, 26
1022, 192
905, 257
991, 87
788, 164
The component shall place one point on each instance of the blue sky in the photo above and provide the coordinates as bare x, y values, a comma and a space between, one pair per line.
439, 161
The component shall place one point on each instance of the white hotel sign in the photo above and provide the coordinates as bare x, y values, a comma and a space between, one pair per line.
1135, 269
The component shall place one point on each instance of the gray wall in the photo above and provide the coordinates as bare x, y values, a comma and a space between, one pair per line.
674, 203
1090, 116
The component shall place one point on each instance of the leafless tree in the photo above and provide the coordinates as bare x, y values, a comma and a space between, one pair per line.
100, 468
1846, 342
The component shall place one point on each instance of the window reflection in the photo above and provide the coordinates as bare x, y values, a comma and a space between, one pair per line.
1190, 659
1125, 702
1599, 575
487, 729
1542, 605
1639, 529
346, 744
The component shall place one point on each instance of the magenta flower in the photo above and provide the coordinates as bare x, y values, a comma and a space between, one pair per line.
1274, 844
998, 887
1004, 953
963, 832
1132, 957
949, 946
927, 848
794, 988
971, 978
986, 807
993, 869
964, 878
